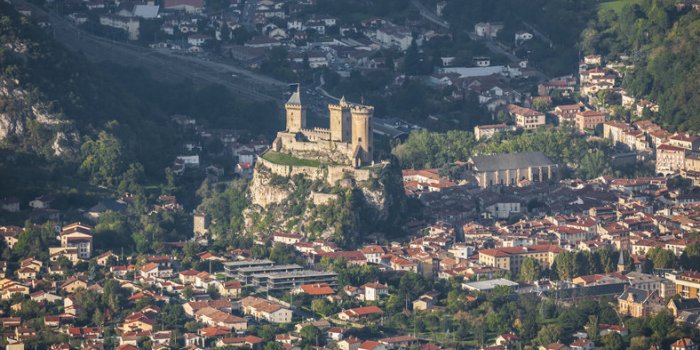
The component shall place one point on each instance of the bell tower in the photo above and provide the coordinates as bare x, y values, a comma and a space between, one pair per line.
296, 113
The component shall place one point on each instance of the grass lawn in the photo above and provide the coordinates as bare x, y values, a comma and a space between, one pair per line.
286, 159
616, 5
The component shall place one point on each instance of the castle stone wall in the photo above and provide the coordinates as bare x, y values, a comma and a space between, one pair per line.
323, 198
317, 134
331, 174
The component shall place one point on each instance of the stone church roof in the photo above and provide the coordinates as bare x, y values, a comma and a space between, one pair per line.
495, 162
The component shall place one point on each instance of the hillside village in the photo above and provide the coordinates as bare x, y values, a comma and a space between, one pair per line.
506, 250
519, 228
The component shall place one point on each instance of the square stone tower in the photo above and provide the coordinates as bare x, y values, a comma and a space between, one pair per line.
341, 121
296, 113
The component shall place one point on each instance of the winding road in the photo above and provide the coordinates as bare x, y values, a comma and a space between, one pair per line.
164, 64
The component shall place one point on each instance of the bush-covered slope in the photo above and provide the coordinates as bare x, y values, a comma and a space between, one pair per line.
662, 42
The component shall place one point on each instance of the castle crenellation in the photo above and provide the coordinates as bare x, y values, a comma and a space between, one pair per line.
348, 140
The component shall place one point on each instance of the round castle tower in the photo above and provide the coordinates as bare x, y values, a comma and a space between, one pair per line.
362, 139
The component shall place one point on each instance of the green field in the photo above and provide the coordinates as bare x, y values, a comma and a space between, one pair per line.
286, 159
616, 5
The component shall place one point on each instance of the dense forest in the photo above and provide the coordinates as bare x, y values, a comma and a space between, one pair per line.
661, 41
118, 118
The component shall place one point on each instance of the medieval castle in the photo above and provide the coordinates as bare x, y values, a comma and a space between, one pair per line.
348, 141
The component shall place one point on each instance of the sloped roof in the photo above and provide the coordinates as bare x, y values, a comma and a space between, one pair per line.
494, 162
295, 99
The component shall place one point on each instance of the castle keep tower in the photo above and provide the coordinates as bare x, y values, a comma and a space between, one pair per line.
348, 141
362, 133
296, 113
341, 121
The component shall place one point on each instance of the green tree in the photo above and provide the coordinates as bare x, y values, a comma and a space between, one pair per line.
530, 270
593, 164
542, 104
548, 334
103, 159
690, 259
34, 242
639, 343
660, 325
592, 328
273, 345
565, 266
322, 307
613, 341
662, 258
424, 149
412, 60
311, 336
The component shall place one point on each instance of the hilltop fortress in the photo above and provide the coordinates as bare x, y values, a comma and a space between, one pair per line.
348, 141
306, 168
341, 154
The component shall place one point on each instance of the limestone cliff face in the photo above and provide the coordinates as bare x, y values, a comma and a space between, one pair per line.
22, 113
262, 192
345, 209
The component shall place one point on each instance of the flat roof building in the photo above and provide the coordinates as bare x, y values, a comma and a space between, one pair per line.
246, 274
484, 286
293, 279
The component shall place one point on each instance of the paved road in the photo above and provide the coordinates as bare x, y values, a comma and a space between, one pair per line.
498, 49
429, 15
165, 64
539, 34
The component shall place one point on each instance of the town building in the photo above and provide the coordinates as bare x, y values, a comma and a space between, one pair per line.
687, 284
567, 113
669, 159
589, 120
128, 24
512, 168
526, 118
79, 236
266, 310
511, 258
483, 132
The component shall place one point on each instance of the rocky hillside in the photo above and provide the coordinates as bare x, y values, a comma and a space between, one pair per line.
29, 119
346, 210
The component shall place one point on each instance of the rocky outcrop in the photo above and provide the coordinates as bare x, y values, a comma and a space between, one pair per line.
262, 192
18, 108
10, 125
293, 204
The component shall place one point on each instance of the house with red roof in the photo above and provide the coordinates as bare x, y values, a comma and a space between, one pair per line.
684, 344
231, 289
360, 313
250, 341
315, 290
371, 345
582, 344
